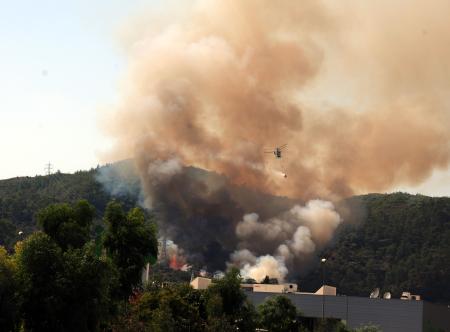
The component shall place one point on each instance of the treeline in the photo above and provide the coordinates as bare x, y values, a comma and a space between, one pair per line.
68, 278
62, 279
22, 197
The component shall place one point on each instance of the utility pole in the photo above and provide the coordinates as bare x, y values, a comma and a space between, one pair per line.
48, 168
147, 272
323, 260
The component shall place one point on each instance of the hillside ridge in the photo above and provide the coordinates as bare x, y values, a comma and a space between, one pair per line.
402, 243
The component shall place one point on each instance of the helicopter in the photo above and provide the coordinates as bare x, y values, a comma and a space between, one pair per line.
277, 153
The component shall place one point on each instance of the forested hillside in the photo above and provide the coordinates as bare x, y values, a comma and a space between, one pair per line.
22, 197
403, 243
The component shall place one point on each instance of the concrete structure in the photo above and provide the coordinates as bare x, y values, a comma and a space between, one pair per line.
326, 290
408, 314
409, 296
275, 288
392, 315
200, 283
203, 283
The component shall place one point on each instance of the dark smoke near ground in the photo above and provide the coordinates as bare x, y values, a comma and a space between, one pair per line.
196, 209
358, 91
207, 217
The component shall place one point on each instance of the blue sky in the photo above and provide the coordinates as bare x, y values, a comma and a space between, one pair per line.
60, 62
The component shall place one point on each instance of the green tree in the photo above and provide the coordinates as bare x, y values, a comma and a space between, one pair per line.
85, 285
181, 304
8, 234
219, 324
278, 314
268, 280
330, 324
69, 226
9, 306
39, 262
176, 307
227, 301
131, 242
64, 284
368, 328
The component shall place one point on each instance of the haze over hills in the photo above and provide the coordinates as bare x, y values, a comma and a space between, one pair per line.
397, 241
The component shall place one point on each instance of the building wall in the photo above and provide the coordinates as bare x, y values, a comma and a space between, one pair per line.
326, 290
390, 315
275, 288
200, 283
436, 316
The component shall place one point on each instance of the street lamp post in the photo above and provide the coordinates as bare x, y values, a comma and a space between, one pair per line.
323, 260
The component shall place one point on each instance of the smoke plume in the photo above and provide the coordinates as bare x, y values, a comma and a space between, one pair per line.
284, 241
358, 91
175, 255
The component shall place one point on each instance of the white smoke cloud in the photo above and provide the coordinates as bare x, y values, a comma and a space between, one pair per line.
165, 168
317, 218
266, 265
320, 217
301, 241
242, 257
120, 179
250, 227
172, 249
284, 251
295, 234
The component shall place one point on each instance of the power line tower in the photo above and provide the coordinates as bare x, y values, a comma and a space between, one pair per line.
48, 168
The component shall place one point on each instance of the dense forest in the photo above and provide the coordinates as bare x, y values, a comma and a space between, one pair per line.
22, 197
402, 243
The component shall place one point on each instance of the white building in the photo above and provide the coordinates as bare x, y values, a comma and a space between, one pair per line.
201, 283
275, 288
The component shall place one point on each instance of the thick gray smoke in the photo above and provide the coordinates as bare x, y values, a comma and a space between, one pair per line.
283, 241
210, 221
199, 210
357, 90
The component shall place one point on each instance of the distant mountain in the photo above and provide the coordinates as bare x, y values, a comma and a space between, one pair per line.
401, 243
